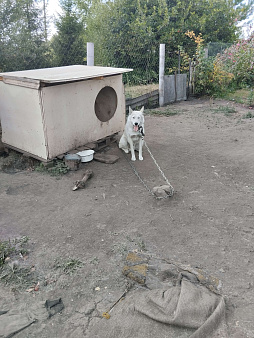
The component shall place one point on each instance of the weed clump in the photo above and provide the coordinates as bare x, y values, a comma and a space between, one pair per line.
226, 110
11, 248
6, 249
249, 115
68, 266
13, 270
58, 168
14, 161
250, 98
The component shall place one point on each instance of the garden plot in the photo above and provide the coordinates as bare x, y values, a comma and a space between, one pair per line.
77, 241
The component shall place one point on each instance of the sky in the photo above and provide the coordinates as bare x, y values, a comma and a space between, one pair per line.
246, 30
53, 8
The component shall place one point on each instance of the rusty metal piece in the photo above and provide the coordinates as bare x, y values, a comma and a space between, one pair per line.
106, 314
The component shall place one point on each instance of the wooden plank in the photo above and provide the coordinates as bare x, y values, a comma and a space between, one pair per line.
143, 99
28, 83
104, 142
65, 73
7, 146
143, 102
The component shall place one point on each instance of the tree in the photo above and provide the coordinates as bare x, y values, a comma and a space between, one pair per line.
216, 20
83, 6
127, 33
68, 44
45, 19
22, 36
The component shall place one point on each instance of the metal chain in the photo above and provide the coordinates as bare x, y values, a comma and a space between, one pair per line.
162, 173
142, 181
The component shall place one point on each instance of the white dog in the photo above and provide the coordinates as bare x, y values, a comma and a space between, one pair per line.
134, 132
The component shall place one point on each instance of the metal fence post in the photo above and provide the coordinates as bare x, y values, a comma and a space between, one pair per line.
90, 53
161, 74
179, 62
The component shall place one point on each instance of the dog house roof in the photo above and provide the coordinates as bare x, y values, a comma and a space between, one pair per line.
33, 78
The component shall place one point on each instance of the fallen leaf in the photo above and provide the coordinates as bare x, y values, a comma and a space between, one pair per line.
37, 286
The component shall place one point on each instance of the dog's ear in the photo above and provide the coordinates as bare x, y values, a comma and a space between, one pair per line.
130, 110
142, 109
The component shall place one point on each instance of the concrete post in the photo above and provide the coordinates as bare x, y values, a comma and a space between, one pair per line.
161, 74
90, 53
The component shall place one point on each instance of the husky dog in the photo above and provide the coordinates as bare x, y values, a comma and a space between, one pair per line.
134, 132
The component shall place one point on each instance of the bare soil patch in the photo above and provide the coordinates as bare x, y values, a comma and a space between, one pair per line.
78, 240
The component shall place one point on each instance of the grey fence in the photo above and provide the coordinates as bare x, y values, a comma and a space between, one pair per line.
175, 88
213, 48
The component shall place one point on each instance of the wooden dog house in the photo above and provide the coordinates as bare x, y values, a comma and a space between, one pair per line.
48, 112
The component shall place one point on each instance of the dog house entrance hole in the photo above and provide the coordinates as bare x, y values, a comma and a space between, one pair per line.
105, 104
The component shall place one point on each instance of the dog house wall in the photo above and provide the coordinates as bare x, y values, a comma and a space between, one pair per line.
48, 112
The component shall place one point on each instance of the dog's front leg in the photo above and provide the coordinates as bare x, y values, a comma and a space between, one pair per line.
140, 157
133, 157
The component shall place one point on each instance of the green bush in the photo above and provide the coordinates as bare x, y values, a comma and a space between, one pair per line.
239, 60
232, 69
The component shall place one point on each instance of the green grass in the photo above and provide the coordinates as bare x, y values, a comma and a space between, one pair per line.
250, 98
167, 111
226, 110
243, 96
249, 115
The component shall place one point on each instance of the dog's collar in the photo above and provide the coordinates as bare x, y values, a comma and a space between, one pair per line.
140, 129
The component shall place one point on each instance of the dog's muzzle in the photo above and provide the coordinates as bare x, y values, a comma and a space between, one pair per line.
136, 127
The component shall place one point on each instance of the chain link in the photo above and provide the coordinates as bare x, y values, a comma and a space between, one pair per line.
162, 173
142, 181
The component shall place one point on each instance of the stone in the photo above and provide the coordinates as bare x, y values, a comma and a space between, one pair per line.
162, 191
106, 158
136, 267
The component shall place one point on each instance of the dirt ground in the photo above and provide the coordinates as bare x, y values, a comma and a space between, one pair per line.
208, 157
